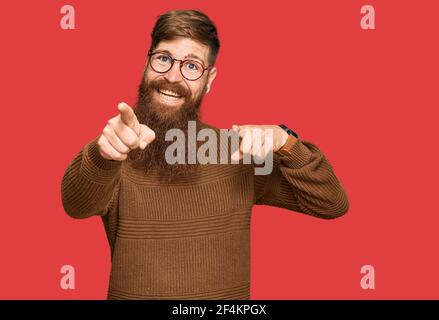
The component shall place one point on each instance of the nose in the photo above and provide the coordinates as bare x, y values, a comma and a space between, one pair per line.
174, 74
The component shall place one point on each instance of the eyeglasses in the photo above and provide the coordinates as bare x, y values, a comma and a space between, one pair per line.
190, 69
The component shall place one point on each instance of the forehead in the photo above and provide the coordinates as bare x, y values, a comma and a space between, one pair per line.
183, 48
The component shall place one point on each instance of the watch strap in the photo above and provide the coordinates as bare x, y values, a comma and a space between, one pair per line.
289, 131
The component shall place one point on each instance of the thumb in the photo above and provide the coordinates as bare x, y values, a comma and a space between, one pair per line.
146, 136
237, 155
128, 117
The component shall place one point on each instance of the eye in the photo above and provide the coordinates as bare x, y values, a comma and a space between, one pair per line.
192, 66
163, 58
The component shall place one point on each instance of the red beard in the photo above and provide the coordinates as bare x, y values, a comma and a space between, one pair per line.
160, 118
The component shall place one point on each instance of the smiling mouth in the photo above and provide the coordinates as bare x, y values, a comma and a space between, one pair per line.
169, 93
169, 98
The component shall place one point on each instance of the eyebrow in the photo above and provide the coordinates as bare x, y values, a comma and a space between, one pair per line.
194, 56
190, 55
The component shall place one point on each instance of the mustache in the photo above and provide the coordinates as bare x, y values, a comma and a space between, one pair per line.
163, 84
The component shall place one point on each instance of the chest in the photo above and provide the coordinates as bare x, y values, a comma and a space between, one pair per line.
226, 193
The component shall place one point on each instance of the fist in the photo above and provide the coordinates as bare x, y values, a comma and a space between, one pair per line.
259, 140
122, 134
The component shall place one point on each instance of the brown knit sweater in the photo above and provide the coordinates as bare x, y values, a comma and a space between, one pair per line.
191, 239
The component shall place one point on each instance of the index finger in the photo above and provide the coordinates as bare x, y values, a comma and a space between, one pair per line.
128, 117
241, 130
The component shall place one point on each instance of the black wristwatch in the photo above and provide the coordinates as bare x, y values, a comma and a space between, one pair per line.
289, 131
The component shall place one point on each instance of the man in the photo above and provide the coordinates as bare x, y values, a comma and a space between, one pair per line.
182, 231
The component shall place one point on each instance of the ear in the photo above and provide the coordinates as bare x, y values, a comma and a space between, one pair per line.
210, 77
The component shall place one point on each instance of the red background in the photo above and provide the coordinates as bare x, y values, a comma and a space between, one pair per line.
367, 98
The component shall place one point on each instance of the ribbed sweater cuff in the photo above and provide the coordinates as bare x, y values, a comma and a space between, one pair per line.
298, 155
96, 167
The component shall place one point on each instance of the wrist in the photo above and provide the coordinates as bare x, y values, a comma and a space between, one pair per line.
288, 145
282, 140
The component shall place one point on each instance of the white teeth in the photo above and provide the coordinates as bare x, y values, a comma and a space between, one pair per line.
169, 93
168, 98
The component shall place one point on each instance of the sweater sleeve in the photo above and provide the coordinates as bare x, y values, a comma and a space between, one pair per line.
90, 185
304, 181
